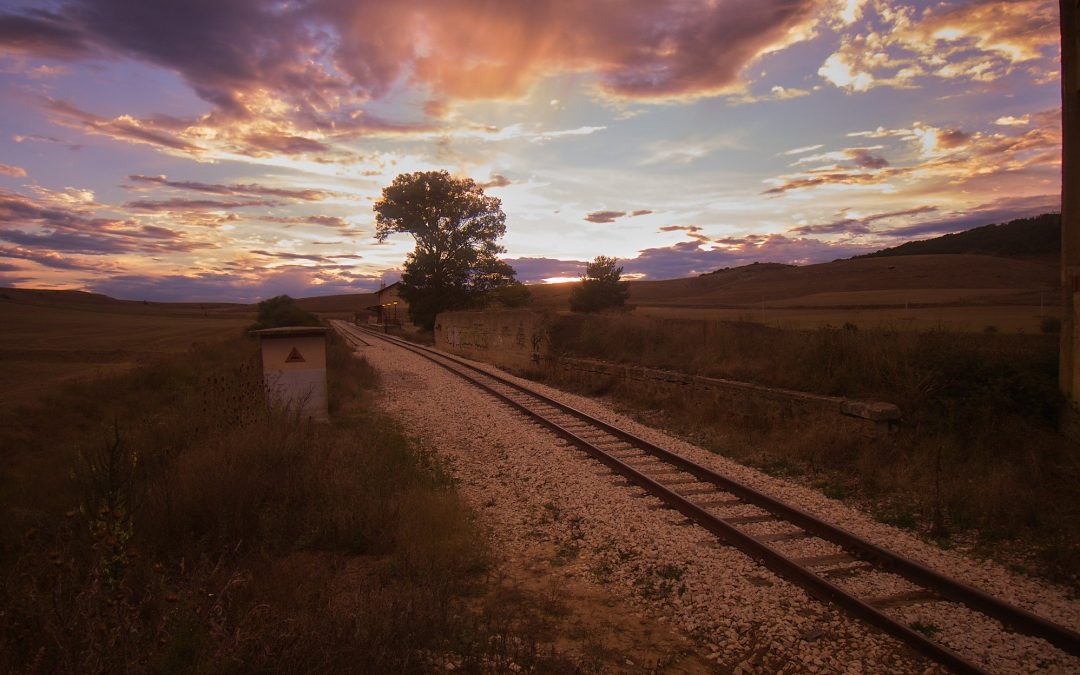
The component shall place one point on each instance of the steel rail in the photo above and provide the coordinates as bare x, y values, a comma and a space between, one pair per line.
1016, 618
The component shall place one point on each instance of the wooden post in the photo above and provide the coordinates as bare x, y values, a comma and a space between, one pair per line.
1070, 198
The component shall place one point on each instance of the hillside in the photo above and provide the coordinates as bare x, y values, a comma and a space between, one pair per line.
83, 301
863, 282
337, 304
51, 337
1021, 238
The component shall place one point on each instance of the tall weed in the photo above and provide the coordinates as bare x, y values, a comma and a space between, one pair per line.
978, 447
189, 527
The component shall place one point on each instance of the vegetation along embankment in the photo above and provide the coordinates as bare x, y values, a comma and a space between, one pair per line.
977, 461
165, 520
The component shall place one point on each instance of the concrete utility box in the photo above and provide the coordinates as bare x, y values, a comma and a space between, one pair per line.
294, 368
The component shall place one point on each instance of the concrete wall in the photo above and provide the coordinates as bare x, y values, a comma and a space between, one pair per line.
294, 373
517, 339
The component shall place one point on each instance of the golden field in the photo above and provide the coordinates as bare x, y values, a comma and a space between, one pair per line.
922, 292
51, 337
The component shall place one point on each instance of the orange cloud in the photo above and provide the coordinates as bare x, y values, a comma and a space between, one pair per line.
979, 40
934, 155
336, 55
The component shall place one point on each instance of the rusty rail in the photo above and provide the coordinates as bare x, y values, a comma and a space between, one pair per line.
1015, 618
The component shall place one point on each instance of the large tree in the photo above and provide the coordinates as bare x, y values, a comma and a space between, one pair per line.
455, 225
600, 287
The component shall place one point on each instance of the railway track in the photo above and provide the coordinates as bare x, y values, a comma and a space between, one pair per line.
831, 563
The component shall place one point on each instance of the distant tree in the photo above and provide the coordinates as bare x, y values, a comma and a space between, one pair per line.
281, 311
600, 287
454, 264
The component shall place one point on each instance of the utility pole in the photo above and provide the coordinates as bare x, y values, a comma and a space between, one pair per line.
1070, 198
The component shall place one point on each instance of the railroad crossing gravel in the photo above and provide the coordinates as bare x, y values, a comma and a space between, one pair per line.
528, 486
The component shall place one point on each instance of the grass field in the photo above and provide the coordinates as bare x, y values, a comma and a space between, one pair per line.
162, 518
55, 337
165, 520
978, 452
972, 318
953, 292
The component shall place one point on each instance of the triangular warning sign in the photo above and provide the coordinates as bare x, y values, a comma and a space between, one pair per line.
294, 357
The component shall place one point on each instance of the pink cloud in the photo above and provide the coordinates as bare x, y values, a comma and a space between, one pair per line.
321, 55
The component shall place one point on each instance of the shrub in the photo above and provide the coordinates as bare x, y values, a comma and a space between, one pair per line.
600, 288
281, 310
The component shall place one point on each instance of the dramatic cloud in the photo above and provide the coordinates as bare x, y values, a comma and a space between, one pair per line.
858, 225
178, 204
999, 211
333, 222
497, 181
862, 158
335, 54
123, 128
804, 149
604, 216
1010, 121
278, 122
43, 33
52, 228
234, 189
36, 138
50, 259
976, 41
535, 270
933, 154
285, 144
612, 216
695, 257
314, 257
219, 286
820, 177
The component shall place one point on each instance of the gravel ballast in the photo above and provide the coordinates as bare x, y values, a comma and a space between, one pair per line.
530, 486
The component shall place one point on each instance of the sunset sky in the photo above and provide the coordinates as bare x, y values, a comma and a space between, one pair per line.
231, 150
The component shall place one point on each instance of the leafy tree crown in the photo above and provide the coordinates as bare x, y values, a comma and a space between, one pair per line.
601, 287
455, 225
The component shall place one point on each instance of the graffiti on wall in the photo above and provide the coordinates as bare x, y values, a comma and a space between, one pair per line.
516, 337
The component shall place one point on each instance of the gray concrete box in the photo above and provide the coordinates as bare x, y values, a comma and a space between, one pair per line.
294, 368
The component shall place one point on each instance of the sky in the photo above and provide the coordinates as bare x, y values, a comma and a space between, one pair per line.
231, 150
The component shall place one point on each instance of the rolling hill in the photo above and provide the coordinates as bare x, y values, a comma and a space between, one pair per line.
856, 282
1020, 238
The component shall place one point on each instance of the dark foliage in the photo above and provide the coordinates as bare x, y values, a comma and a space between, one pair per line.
1020, 238
600, 288
281, 311
513, 295
454, 264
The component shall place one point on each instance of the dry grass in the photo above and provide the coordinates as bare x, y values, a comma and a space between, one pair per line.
923, 292
978, 451
165, 520
956, 318
53, 338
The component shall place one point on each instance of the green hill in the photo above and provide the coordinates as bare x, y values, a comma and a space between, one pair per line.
1035, 237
